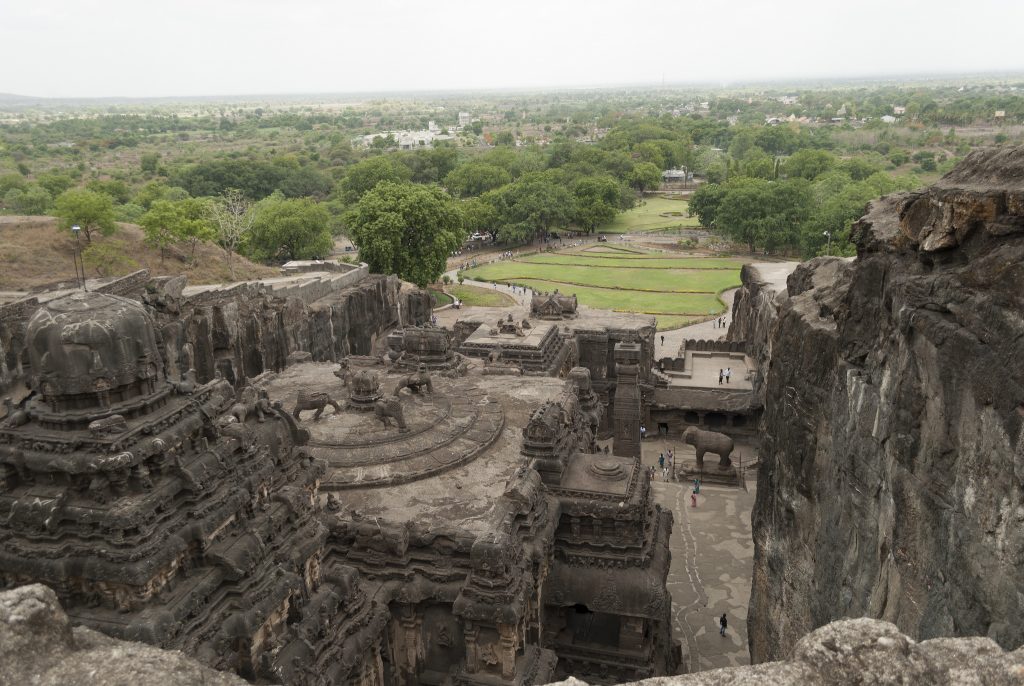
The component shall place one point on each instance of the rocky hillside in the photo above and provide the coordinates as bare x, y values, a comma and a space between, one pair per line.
35, 254
892, 478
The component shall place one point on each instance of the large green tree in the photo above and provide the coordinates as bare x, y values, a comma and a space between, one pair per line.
597, 201
289, 229
763, 214
531, 207
364, 176
645, 176
407, 229
476, 178
92, 211
705, 201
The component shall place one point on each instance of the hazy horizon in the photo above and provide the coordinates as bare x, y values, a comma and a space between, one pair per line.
314, 47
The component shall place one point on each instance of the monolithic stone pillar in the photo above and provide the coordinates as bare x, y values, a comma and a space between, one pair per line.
627, 400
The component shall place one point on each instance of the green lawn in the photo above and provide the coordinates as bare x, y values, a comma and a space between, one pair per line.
679, 290
651, 216
697, 304
663, 280
441, 297
645, 261
480, 297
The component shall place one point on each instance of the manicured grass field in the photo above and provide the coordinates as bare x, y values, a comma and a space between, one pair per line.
642, 261
678, 290
480, 297
634, 301
662, 280
654, 214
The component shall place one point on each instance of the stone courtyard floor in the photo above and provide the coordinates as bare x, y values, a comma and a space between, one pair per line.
712, 559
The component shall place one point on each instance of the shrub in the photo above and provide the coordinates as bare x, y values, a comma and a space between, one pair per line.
108, 258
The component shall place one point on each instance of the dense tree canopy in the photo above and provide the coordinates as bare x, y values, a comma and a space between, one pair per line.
530, 207
363, 176
476, 178
407, 229
289, 229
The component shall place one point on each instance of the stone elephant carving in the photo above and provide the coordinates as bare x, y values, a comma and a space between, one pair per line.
387, 409
313, 400
709, 442
415, 382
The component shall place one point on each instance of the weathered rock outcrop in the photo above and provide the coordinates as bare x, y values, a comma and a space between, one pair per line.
892, 465
246, 329
38, 646
867, 651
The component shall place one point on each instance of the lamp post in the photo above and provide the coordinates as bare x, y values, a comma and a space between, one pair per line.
828, 234
79, 264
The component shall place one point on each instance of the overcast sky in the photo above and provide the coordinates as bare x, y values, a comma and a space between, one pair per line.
228, 47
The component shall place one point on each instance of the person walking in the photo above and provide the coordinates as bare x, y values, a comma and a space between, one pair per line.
661, 461
723, 624
663, 340
728, 373
721, 375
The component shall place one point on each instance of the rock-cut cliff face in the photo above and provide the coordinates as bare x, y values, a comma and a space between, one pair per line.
892, 478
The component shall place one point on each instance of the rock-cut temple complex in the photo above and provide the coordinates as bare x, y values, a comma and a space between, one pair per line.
399, 518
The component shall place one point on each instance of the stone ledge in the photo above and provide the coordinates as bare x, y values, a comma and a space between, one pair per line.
39, 647
866, 651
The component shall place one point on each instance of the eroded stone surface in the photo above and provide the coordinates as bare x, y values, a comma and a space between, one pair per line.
891, 483
867, 651
38, 646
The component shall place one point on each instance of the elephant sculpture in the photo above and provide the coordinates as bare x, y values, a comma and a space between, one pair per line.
387, 409
251, 401
709, 442
313, 400
415, 382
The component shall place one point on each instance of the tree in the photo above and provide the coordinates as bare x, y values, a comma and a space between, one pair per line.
161, 225
597, 201
704, 203
289, 229
504, 138
408, 230
531, 207
306, 182
645, 176
476, 178
364, 176
809, 163
763, 213
479, 215
109, 258
33, 200
12, 181
196, 225
149, 162
90, 210
55, 182
232, 215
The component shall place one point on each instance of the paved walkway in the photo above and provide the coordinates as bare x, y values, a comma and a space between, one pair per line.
705, 330
712, 561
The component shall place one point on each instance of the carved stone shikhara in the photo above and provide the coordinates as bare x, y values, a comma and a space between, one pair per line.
166, 513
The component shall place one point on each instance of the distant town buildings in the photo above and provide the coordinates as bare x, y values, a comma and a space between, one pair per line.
899, 110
